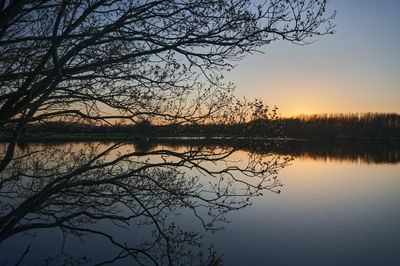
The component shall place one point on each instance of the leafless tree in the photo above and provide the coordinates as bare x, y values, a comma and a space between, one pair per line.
132, 60
160, 60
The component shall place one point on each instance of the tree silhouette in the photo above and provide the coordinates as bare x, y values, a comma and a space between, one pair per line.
155, 60
111, 61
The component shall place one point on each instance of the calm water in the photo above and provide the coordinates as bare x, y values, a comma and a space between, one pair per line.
339, 205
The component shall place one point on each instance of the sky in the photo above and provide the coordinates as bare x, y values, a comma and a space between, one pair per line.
357, 69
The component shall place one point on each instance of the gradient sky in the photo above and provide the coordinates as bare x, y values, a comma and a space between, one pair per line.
355, 70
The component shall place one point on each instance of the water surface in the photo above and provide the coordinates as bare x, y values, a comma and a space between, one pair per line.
339, 205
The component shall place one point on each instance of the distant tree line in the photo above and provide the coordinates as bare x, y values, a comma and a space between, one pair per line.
351, 125
331, 126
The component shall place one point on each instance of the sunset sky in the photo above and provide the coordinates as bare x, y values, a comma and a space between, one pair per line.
355, 70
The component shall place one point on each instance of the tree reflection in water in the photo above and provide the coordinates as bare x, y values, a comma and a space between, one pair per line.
368, 152
77, 187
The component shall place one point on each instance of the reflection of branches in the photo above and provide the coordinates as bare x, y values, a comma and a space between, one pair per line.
88, 184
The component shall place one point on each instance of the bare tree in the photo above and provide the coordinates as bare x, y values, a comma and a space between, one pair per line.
133, 60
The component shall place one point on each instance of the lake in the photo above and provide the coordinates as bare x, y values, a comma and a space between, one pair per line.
339, 204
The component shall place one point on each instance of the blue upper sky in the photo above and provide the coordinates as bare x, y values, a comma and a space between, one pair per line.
355, 70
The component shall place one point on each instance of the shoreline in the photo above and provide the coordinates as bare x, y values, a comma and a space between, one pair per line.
129, 137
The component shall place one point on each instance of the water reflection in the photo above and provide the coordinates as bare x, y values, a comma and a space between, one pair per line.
368, 152
343, 151
99, 190
151, 203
